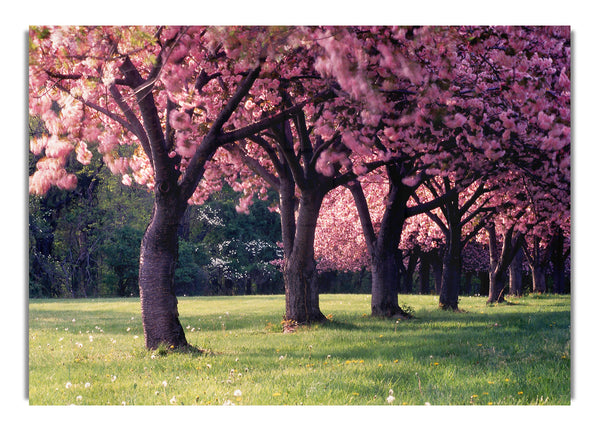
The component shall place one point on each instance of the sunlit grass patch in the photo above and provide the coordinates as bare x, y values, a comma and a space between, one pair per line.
92, 352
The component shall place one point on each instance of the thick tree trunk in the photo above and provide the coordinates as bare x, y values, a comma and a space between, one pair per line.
158, 258
424, 285
299, 272
558, 258
437, 267
500, 260
538, 275
451, 270
385, 284
407, 274
515, 275
497, 286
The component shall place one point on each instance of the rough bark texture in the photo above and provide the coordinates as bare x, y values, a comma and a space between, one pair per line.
384, 267
158, 257
299, 272
383, 247
385, 284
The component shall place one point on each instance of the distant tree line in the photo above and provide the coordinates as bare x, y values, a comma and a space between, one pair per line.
86, 242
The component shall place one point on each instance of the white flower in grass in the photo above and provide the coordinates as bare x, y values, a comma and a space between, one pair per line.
164, 383
68, 385
237, 393
173, 400
87, 385
78, 398
390, 399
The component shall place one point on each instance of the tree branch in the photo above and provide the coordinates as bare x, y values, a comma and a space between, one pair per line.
363, 214
254, 165
212, 141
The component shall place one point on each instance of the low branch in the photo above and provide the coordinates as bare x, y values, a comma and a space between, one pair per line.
254, 165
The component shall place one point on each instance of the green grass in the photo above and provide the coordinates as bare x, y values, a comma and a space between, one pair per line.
91, 352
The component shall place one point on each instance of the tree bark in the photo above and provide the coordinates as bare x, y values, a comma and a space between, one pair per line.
537, 259
424, 284
384, 246
558, 257
515, 275
158, 258
497, 286
500, 260
538, 275
437, 268
299, 272
407, 272
450, 286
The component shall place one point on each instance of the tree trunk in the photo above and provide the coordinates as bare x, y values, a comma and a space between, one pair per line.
407, 280
515, 275
558, 258
468, 288
497, 285
500, 260
385, 283
538, 258
158, 258
451, 269
450, 285
437, 267
538, 275
299, 272
383, 247
484, 283
424, 285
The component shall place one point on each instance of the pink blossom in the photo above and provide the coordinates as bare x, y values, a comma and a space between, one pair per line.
457, 121
564, 81
57, 148
411, 181
67, 182
37, 145
545, 121
360, 169
179, 120
84, 156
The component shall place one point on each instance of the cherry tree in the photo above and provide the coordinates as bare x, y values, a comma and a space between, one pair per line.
157, 103
463, 208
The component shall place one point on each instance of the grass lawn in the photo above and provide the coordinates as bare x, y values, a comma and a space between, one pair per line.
91, 352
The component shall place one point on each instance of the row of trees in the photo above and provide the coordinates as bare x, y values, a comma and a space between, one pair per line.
469, 126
